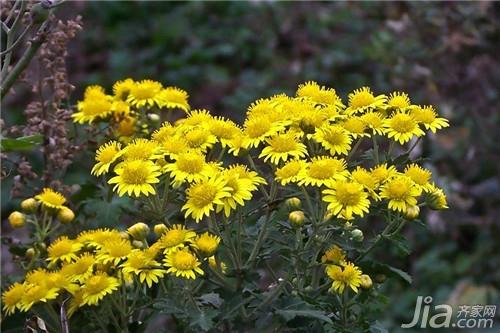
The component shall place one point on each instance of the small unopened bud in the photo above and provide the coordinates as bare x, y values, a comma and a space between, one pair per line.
296, 218
293, 203
30, 253
29, 205
357, 235
139, 231
412, 212
160, 229
17, 219
154, 117
366, 281
380, 278
139, 244
437, 200
65, 215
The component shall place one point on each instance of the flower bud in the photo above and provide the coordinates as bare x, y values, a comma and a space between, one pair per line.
412, 212
366, 281
296, 218
380, 278
357, 235
17, 219
139, 244
436, 200
154, 117
65, 215
160, 229
30, 253
293, 203
139, 231
29, 205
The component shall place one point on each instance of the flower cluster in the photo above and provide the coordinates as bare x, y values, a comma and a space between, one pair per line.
97, 262
130, 105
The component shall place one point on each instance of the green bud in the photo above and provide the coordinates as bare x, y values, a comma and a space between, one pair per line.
357, 235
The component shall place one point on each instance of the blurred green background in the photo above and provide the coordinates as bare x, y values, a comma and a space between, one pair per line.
227, 54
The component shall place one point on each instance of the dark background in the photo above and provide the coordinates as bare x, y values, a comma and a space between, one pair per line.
227, 54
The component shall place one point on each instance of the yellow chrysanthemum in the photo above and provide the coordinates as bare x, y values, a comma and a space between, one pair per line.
289, 173
120, 110
183, 263
402, 127
126, 128
196, 118
145, 93
79, 270
362, 99
206, 244
75, 302
113, 251
173, 98
356, 127
217, 264
175, 237
121, 89
95, 105
366, 178
188, 166
321, 95
98, 286
12, 298
59, 281
333, 138
34, 293
199, 138
420, 176
374, 121
401, 192
174, 146
399, 100
322, 170
282, 147
240, 190
383, 173
346, 275
346, 199
243, 173
141, 149
164, 133
63, 249
204, 196
51, 199
135, 178
105, 156
427, 116
258, 129
96, 238
436, 199
141, 264
225, 130
237, 144
334, 255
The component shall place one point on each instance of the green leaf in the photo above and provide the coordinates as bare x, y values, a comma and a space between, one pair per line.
24, 143
401, 244
203, 319
211, 298
291, 314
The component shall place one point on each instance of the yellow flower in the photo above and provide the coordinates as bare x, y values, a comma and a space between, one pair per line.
126, 128
34, 293
145, 93
17, 219
75, 302
217, 265
225, 130
374, 121
175, 237
203, 197
65, 215
346, 198
240, 190
59, 281
164, 133
243, 173
105, 156
436, 199
141, 149
321, 170
428, 118
346, 275
289, 172
63, 249
183, 263
173, 97
196, 118
96, 238
319, 94
258, 129
79, 270
362, 99
399, 100
366, 178
95, 105
51, 199
382, 173
282, 147
12, 297
401, 192
98, 286
334, 255
146, 268
402, 127
420, 176
188, 166
113, 251
135, 177
199, 138
174, 146
356, 127
333, 138
206, 244
121, 89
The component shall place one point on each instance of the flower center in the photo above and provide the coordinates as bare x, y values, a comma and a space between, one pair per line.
348, 194
282, 144
190, 163
398, 189
202, 194
96, 284
355, 125
145, 91
107, 154
257, 127
95, 107
289, 170
135, 173
35, 293
184, 261
403, 123
334, 137
196, 138
361, 99
61, 248
173, 237
321, 170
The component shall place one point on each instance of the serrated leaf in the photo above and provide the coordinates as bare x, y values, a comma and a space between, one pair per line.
291, 314
211, 298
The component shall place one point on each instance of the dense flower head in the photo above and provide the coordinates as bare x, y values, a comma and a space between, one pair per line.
51, 199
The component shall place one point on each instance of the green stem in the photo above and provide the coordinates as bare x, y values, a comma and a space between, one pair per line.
375, 150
